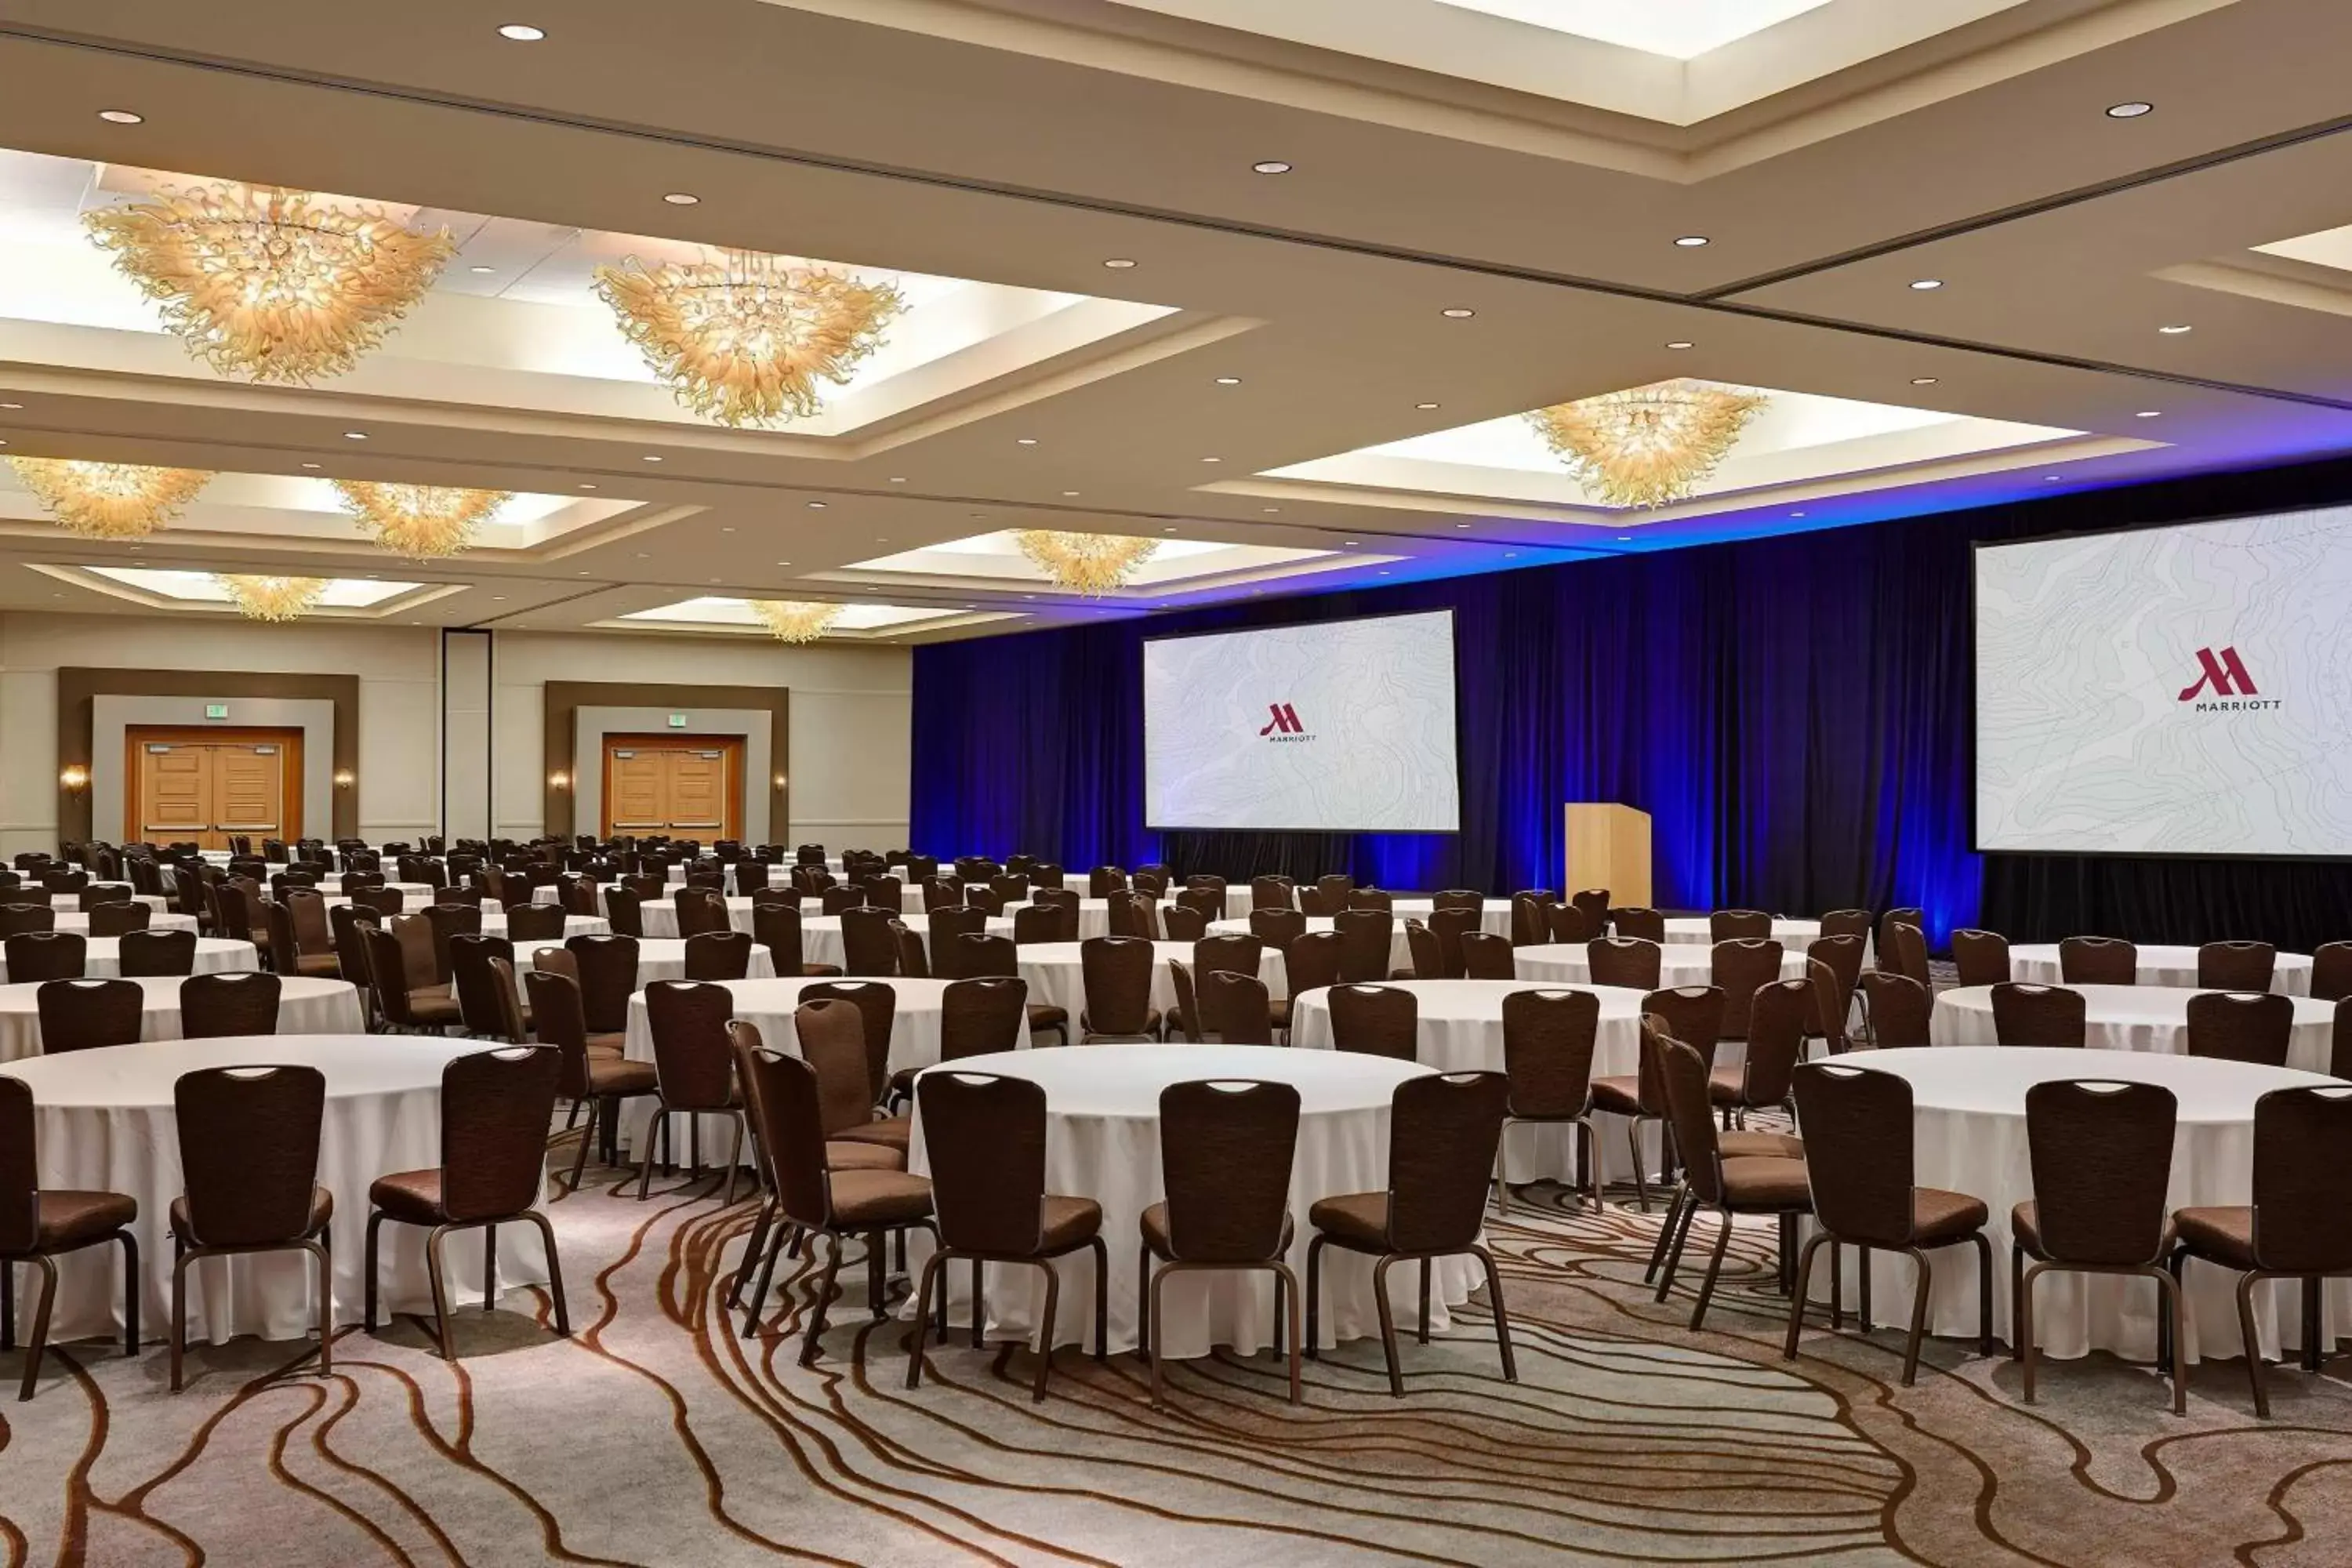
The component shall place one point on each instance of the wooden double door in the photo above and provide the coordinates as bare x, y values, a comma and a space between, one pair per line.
204, 786
688, 787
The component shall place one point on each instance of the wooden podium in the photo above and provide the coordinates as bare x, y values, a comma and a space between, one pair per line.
1609, 846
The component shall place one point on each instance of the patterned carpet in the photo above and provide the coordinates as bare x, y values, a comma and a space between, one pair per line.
657, 1436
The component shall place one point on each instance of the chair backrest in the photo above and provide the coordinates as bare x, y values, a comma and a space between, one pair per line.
1116, 971
446, 921
557, 1021
1486, 956
1733, 925
914, 958
1566, 923
2028, 1015
2236, 965
1372, 899
84, 1015
1310, 960
1235, 1008
1858, 1154
249, 1151
608, 978
385, 902
781, 1096
1776, 1040
1682, 1075
1232, 951
982, 1015
1981, 956
1364, 943
231, 1003
2097, 961
878, 1012
2303, 1206
494, 1109
867, 946
1547, 1042
20, 919
144, 953
1277, 925
832, 1039
1273, 893
1630, 960
1899, 1008
1457, 898
278, 931
1831, 1004
2102, 1159
985, 1137
1693, 1015
717, 955
1908, 943
946, 925
980, 955
1846, 922
689, 1022
2242, 1026
1105, 880
20, 1170
1593, 902
1225, 1151
1187, 1017
1443, 1129
1740, 967
122, 919
536, 923
1377, 1020
478, 988
2331, 970
1179, 922
45, 955
1132, 914
1887, 922
624, 911
699, 910
1638, 920
1035, 922
777, 928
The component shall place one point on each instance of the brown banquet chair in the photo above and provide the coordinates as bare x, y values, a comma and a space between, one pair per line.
1909, 944
1737, 925
717, 955
1547, 1044
1116, 971
120, 918
980, 1016
692, 1073
228, 1004
599, 1082
2028, 1015
24, 920
1980, 956
2236, 965
1689, 1012
1639, 920
38, 1224
1179, 923
914, 957
1486, 956
985, 1137
777, 928
1366, 937
1573, 924
1860, 1165
1732, 1185
1740, 968
608, 965
152, 953
536, 923
1446, 1132
2241, 1026
88, 1014
2331, 971
1895, 1010
1776, 1044
1628, 960
2097, 961
1375, 1020
1234, 1008
1277, 927
36, 955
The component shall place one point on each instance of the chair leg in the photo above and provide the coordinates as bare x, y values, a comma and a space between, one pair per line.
2016, 1302
1713, 1270
1313, 1296
1641, 1179
760, 1221
979, 1318
1923, 1282
815, 1331
437, 1275
323, 1250
1984, 1294
367, 1262
2246, 1283
7, 1304
1502, 1190
1285, 1290
489, 1269
1861, 1290
1045, 1331
2313, 1354
1102, 1298
1151, 1334
555, 1272
1797, 1297
1388, 1325
734, 1161
40, 1337
877, 1254
1424, 1301
2025, 1325
1502, 1318
130, 1291
179, 1310
645, 1161
1674, 1253
1665, 1236
776, 1239
579, 1161
922, 1318
2167, 1294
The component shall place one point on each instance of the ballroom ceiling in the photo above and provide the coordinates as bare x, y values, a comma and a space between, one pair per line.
1365, 238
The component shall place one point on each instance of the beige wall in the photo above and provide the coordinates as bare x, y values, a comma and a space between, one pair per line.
850, 711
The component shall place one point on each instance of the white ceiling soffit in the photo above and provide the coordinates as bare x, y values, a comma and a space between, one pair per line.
858, 622
346, 598
1176, 566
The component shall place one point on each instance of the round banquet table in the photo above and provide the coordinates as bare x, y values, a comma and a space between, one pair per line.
1102, 1142
1056, 976
1460, 1029
2169, 967
102, 957
494, 923
661, 919
1968, 1129
768, 1005
1794, 936
1567, 963
103, 1121
1093, 915
64, 903
821, 937
2128, 1018
307, 1005
159, 920
658, 958
1400, 949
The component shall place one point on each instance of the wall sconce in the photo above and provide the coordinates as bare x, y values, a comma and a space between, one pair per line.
345, 778
780, 781
74, 778
558, 781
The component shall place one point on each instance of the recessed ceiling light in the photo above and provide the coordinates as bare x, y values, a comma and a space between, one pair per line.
354, 434
1923, 380
1425, 405
897, 478
653, 457
1229, 381
784, 562
312, 465
817, 506
587, 487
1380, 573
2175, 331
1457, 313
643, 556
1269, 509
11, 406
522, 32
1120, 263
1796, 514
2049, 478
481, 269
1691, 241
1168, 531
681, 198
1680, 344
1024, 440
580, 574
1346, 541
1924, 284
1213, 459
2149, 414
2128, 111
726, 530
1068, 493
1461, 525
121, 117
1624, 539
501, 598
1270, 166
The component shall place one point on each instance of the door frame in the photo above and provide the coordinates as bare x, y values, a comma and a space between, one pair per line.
291, 775
731, 753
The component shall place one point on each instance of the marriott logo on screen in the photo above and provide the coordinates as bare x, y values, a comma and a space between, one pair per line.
2225, 674
1285, 724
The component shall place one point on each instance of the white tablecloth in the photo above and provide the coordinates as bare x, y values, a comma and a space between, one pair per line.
661, 919
768, 1005
2172, 966
1102, 1142
1400, 949
1567, 963
1056, 976
821, 937
1461, 1030
156, 922
1093, 915
102, 957
104, 1121
306, 1006
494, 923
1969, 1126
2128, 1018
1794, 936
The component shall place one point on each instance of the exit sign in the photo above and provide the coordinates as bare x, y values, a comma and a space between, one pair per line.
676, 720
216, 710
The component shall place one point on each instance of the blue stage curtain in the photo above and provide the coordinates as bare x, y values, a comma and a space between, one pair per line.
1793, 712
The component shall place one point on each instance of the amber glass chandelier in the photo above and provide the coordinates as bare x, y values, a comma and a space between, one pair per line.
271, 284
794, 620
1089, 563
420, 522
107, 500
745, 339
261, 598
1649, 445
